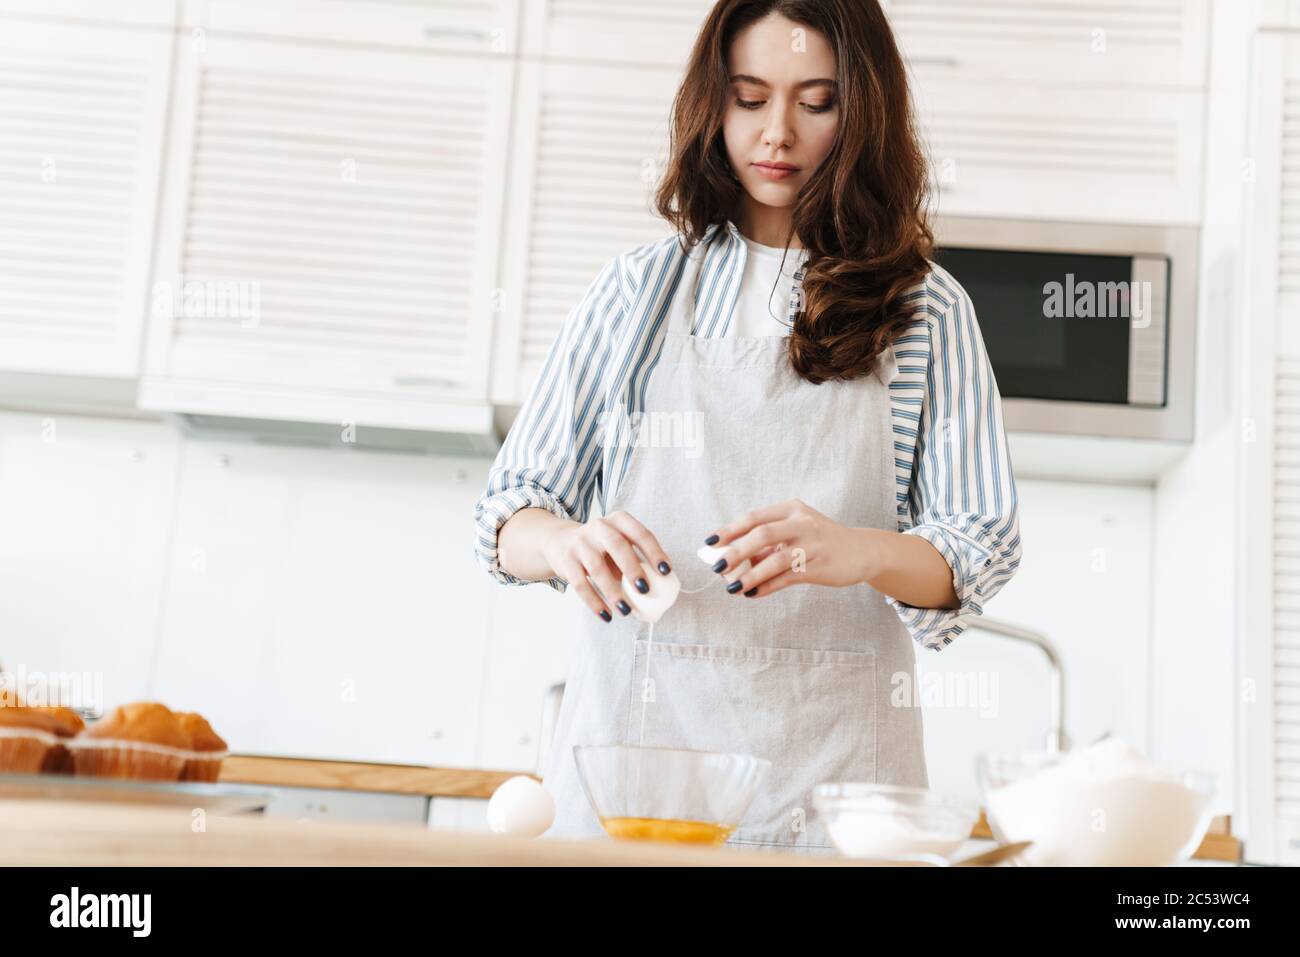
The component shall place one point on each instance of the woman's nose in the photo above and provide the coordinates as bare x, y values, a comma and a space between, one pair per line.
777, 132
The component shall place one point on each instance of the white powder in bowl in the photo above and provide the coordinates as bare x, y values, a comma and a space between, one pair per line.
1104, 805
878, 835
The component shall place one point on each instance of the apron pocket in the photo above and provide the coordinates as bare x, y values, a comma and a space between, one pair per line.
811, 712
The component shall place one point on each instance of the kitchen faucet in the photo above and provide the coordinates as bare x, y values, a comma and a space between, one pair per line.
1057, 740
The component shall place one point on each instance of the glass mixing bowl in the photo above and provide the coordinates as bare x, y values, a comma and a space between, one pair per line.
668, 794
1115, 819
889, 822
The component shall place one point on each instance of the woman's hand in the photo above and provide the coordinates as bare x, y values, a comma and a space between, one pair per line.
601, 549
792, 543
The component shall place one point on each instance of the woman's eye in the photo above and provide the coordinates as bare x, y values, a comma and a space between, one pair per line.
755, 104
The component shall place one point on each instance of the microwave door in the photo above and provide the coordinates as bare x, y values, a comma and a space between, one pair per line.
1148, 366
1057, 325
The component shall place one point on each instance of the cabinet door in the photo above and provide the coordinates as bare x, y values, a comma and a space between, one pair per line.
1006, 149
614, 31
461, 26
590, 145
1135, 43
1270, 495
82, 110
331, 219
161, 12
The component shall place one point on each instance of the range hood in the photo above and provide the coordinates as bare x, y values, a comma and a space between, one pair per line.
304, 417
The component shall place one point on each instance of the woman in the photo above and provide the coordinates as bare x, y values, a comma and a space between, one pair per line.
852, 450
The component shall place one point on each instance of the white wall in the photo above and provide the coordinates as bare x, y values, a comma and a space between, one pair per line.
311, 602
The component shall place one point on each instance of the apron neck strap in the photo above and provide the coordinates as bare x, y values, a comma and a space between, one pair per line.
682, 312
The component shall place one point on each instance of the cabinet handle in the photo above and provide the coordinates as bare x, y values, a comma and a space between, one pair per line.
439, 33
422, 381
947, 61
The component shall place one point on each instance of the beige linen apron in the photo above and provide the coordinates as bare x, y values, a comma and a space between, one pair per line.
802, 677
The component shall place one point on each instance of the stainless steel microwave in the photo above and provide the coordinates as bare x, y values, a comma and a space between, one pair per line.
1090, 328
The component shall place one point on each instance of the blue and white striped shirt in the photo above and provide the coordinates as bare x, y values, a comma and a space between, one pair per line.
955, 487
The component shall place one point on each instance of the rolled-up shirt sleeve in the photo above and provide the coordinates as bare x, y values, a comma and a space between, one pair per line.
551, 457
963, 497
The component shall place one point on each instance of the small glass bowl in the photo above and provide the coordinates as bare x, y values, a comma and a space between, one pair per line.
891, 822
668, 794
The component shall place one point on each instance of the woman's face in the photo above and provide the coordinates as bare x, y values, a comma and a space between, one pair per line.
782, 108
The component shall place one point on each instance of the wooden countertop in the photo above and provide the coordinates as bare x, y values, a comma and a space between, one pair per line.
362, 776
1218, 845
46, 833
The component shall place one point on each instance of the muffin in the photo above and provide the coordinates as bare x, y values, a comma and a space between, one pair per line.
28, 737
68, 724
33, 739
208, 748
143, 740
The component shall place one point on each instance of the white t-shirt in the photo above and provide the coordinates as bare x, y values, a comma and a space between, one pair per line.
763, 308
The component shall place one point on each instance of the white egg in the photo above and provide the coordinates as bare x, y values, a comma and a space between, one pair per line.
709, 554
520, 806
651, 606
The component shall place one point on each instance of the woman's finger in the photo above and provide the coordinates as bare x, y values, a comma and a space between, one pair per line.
774, 584
643, 539
572, 571
593, 559
764, 536
620, 552
774, 564
726, 534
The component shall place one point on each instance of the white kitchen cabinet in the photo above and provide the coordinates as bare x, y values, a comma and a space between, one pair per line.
1146, 42
625, 32
329, 232
325, 605
136, 12
82, 112
1270, 498
458, 814
1278, 13
1135, 43
590, 144
466, 26
1001, 148
1048, 109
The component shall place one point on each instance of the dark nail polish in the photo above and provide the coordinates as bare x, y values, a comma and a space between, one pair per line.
752, 592
720, 564
624, 607
734, 586
642, 586
663, 568
606, 615
711, 540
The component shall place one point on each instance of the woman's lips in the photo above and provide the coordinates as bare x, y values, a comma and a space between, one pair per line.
775, 172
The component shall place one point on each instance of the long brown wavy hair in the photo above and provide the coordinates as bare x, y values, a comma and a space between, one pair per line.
862, 216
